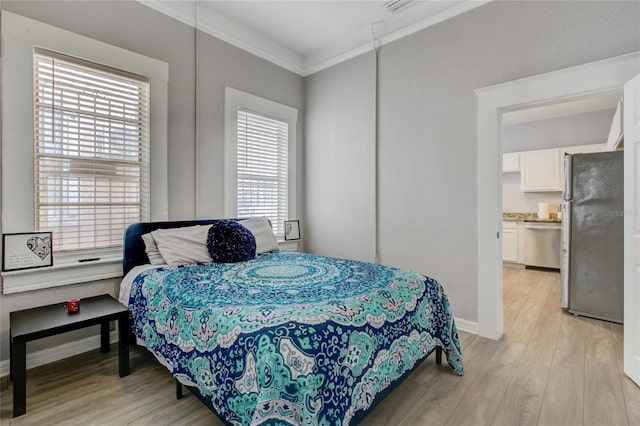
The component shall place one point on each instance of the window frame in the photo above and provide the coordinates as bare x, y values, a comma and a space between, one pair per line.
234, 101
53, 64
20, 36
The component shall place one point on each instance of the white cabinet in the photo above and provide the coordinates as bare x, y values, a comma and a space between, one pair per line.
541, 170
580, 149
521, 242
511, 162
513, 242
510, 243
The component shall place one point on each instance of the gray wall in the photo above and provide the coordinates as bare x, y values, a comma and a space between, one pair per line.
340, 169
516, 201
132, 26
428, 152
580, 129
221, 64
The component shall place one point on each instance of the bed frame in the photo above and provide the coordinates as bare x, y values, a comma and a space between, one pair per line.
133, 246
134, 254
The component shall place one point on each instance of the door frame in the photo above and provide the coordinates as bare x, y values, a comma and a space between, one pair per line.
580, 81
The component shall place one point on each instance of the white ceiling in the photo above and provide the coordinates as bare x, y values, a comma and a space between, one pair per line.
306, 36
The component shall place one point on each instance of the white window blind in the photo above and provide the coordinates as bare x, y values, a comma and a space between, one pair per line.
262, 165
91, 154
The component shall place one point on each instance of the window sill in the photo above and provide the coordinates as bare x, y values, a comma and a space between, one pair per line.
288, 245
61, 274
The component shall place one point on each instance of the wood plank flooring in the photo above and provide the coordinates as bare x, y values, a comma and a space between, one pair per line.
550, 368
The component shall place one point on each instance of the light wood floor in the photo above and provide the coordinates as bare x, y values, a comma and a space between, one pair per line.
550, 368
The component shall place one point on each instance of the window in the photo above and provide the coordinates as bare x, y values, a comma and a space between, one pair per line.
21, 180
260, 157
262, 163
91, 153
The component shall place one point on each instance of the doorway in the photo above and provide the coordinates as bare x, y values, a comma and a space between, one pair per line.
554, 87
533, 141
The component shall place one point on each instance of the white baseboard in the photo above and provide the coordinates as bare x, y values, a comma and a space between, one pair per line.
56, 353
513, 265
472, 327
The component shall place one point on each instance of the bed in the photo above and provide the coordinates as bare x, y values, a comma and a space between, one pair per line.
286, 338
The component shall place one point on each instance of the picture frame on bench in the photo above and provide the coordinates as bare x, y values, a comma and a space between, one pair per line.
26, 250
291, 230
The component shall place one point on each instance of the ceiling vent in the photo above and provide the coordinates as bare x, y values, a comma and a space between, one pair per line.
396, 6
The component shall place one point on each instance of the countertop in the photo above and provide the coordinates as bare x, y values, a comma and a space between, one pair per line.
525, 217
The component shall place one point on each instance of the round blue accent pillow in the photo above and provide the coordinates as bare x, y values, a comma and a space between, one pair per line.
230, 242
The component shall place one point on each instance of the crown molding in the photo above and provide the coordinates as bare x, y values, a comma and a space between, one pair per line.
246, 39
319, 65
227, 31
243, 38
433, 20
181, 11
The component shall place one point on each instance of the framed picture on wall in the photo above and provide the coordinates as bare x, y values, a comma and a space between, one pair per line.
26, 250
291, 230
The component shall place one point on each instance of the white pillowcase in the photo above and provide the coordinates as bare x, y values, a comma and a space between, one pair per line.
261, 230
151, 248
179, 246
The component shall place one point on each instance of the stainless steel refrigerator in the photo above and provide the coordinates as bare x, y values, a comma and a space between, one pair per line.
592, 229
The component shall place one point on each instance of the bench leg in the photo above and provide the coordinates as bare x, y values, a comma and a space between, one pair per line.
178, 390
19, 369
104, 337
123, 345
10, 356
438, 355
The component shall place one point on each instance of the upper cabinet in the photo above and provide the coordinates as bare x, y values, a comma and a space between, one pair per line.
511, 162
541, 170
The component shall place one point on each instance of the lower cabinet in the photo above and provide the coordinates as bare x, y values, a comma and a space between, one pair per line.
513, 242
510, 242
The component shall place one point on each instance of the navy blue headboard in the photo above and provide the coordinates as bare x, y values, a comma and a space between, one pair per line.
133, 246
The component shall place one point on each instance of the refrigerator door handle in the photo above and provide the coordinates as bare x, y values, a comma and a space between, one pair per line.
565, 271
567, 190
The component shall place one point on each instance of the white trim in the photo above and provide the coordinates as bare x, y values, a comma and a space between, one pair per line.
343, 57
467, 326
218, 26
288, 245
61, 275
592, 78
183, 11
234, 99
19, 36
56, 353
245, 39
312, 66
631, 256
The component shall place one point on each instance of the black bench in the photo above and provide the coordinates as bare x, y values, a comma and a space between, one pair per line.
36, 323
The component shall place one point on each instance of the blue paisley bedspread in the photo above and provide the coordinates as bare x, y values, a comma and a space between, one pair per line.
291, 338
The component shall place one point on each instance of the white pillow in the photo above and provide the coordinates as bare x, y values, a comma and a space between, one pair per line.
179, 246
151, 248
261, 230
